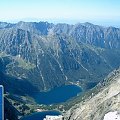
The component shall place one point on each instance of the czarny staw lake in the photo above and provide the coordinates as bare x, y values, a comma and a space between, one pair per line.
56, 95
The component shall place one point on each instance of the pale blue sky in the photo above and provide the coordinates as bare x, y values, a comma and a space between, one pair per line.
105, 12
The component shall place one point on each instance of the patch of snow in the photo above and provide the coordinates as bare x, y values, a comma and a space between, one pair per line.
112, 116
39, 110
19, 55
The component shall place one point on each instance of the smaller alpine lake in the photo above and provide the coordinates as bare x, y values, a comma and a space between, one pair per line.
40, 115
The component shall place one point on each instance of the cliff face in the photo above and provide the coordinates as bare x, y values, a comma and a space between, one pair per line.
98, 104
47, 55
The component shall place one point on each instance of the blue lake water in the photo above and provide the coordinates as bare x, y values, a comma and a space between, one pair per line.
57, 95
40, 115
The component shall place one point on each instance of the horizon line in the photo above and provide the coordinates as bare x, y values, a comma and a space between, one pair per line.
62, 21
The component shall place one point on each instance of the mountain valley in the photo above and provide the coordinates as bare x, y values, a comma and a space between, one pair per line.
38, 57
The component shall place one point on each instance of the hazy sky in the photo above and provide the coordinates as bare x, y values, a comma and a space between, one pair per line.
72, 11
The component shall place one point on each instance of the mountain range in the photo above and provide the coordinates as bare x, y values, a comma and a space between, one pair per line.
40, 56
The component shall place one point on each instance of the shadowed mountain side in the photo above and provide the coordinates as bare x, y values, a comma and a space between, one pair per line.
13, 85
10, 113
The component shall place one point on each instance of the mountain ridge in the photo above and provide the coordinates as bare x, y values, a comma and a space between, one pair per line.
84, 32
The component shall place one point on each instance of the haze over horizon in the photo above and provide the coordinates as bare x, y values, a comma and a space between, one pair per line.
102, 12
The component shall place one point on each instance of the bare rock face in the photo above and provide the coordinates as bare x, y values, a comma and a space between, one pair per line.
96, 106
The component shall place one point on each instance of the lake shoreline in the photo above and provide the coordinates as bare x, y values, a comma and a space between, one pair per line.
41, 114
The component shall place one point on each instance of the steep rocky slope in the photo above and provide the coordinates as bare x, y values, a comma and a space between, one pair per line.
104, 98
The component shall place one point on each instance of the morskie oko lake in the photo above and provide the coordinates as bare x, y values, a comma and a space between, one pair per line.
57, 95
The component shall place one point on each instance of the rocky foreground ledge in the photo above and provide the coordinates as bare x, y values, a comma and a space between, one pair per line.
97, 106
